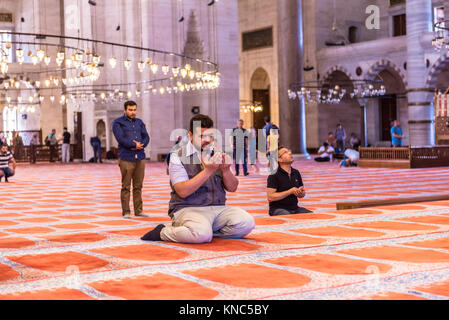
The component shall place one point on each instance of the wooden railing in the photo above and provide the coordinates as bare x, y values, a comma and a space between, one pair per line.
42, 153
404, 157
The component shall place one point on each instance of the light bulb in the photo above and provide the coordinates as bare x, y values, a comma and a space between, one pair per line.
188, 67
68, 62
20, 59
96, 59
47, 60
183, 72
112, 62
19, 99
34, 60
60, 55
154, 67
56, 81
175, 71
8, 99
103, 95
141, 66
40, 54
79, 56
129, 94
41, 98
192, 74
30, 99
47, 83
37, 84
19, 52
127, 64
161, 90
165, 69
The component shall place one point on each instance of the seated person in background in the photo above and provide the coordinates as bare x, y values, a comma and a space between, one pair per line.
285, 187
331, 139
353, 140
325, 152
198, 199
351, 157
5, 158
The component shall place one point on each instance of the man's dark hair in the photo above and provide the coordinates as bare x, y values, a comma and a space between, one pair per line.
280, 148
129, 103
266, 119
65, 128
325, 144
206, 122
356, 146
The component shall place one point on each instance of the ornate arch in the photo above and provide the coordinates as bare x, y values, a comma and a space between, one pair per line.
436, 69
380, 65
337, 68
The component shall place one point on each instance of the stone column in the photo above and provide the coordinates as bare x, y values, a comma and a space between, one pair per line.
419, 21
290, 38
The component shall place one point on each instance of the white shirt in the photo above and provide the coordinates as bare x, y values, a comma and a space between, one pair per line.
352, 155
327, 152
176, 169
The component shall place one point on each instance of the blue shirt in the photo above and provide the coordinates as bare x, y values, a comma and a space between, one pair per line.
125, 131
397, 131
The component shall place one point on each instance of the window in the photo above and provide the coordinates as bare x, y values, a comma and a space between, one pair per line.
352, 35
438, 15
4, 39
399, 25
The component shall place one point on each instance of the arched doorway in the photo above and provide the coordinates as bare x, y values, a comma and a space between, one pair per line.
392, 106
347, 112
260, 92
101, 132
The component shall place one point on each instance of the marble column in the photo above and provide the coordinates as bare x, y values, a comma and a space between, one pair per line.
291, 112
420, 108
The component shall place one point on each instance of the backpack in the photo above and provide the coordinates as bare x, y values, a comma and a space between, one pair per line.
47, 142
275, 127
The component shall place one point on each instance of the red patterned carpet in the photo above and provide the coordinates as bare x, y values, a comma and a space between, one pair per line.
62, 237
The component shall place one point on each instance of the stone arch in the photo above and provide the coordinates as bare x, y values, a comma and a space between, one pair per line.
436, 70
383, 64
337, 68
260, 90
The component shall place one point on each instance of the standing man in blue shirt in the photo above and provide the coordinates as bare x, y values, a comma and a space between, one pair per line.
132, 138
396, 134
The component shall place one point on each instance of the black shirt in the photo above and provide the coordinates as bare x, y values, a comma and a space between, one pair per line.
281, 181
66, 137
237, 132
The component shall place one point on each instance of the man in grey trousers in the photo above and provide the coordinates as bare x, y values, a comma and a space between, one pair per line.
199, 178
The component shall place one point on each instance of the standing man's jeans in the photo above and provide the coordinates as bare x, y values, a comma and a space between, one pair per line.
132, 172
97, 150
53, 152
33, 148
282, 212
239, 158
65, 153
7, 172
340, 146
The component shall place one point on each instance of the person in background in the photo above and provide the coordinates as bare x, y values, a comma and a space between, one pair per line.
132, 137
252, 141
65, 146
2, 138
396, 134
340, 137
17, 145
353, 140
239, 142
96, 145
5, 158
285, 187
325, 152
351, 158
331, 139
34, 142
53, 144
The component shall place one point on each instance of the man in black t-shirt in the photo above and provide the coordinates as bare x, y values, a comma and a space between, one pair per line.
285, 186
65, 146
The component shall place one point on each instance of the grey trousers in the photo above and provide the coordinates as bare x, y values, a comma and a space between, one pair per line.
201, 224
65, 153
281, 212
